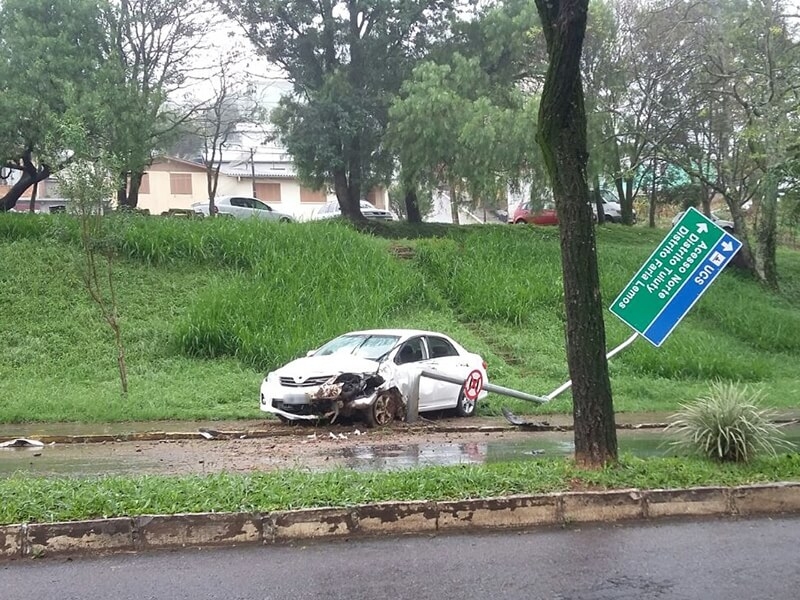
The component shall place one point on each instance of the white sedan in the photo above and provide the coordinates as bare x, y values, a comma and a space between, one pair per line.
395, 356
242, 207
369, 210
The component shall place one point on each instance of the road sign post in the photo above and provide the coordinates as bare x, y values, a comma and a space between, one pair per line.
677, 273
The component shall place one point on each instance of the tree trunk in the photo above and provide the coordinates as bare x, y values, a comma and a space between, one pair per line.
651, 220
765, 233
627, 205
350, 208
412, 206
562, 137
133, 189
34, 194
30, 176
122, 190
598, 200
454, 206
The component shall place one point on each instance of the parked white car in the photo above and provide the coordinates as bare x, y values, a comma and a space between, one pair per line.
242, 207
294, 391
724, 223
612, 211
332, 210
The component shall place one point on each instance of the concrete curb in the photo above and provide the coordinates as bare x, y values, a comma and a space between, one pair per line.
150, 532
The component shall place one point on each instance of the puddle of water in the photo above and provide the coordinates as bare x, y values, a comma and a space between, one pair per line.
75, 460
645, 443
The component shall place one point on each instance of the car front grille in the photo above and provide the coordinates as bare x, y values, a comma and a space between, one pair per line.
310, 382
295, 409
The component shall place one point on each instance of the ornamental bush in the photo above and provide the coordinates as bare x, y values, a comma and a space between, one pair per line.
727, 425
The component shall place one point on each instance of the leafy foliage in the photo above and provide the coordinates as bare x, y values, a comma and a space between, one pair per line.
727, 425
346, 60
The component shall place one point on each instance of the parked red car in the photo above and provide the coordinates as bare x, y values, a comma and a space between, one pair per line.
544, 216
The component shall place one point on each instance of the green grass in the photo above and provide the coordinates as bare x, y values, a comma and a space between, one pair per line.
33, 499
208, 305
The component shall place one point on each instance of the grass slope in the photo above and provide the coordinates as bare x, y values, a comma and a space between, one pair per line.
207, 307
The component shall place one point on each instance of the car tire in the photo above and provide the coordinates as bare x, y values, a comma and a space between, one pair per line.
520, 222
465, 407
284, 220
380, 413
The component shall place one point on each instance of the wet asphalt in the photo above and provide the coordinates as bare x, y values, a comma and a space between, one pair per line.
680, 560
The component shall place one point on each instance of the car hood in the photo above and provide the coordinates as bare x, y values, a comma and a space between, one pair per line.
331, 364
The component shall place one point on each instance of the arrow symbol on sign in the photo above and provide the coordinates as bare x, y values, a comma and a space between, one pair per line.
702, 228
727, 246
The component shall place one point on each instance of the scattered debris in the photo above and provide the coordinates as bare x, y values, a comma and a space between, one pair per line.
22, 443
212, 434
529, 425
358, 432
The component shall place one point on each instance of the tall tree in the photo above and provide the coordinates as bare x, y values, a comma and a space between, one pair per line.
156, 44
346, 60
448, 129
562, 137
742, 104
52, 65
463, 118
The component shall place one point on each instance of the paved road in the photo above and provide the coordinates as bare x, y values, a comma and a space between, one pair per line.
708, 560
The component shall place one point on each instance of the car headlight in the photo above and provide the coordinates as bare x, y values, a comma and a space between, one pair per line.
271, 377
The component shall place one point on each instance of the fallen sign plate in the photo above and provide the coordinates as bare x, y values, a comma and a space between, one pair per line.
677, 273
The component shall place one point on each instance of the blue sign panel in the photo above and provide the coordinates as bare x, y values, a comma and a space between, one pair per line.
692, 288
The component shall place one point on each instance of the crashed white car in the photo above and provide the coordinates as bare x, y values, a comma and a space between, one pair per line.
370, 374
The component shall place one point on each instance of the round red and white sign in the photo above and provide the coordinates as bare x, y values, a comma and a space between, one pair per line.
473, 385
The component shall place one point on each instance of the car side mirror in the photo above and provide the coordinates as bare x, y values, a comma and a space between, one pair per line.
310, 353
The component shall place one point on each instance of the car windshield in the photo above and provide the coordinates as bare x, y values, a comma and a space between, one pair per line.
367, 346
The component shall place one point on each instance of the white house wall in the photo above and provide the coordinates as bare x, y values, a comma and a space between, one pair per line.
160, 199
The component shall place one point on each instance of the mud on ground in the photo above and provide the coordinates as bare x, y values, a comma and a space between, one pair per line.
320, 447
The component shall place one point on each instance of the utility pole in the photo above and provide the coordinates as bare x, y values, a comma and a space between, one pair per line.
253, 170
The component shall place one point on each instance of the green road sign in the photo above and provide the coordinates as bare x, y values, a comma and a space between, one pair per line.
675, 276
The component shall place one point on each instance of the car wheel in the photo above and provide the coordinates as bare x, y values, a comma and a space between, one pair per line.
284, 220
465, 406
381, 412
519, 222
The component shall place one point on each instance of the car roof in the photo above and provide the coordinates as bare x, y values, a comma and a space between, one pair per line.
397, 332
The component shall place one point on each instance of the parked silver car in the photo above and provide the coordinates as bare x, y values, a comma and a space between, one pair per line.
724, 223
369, 210
242, 207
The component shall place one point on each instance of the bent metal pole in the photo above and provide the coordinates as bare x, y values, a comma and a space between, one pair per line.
489, 387
564, 387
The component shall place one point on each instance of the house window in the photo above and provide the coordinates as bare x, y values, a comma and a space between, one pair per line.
180, 183
309, 195
268, 192
144, 184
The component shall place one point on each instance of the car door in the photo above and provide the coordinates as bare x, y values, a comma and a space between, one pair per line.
261, 210
408, 359
445, 358
239, 208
